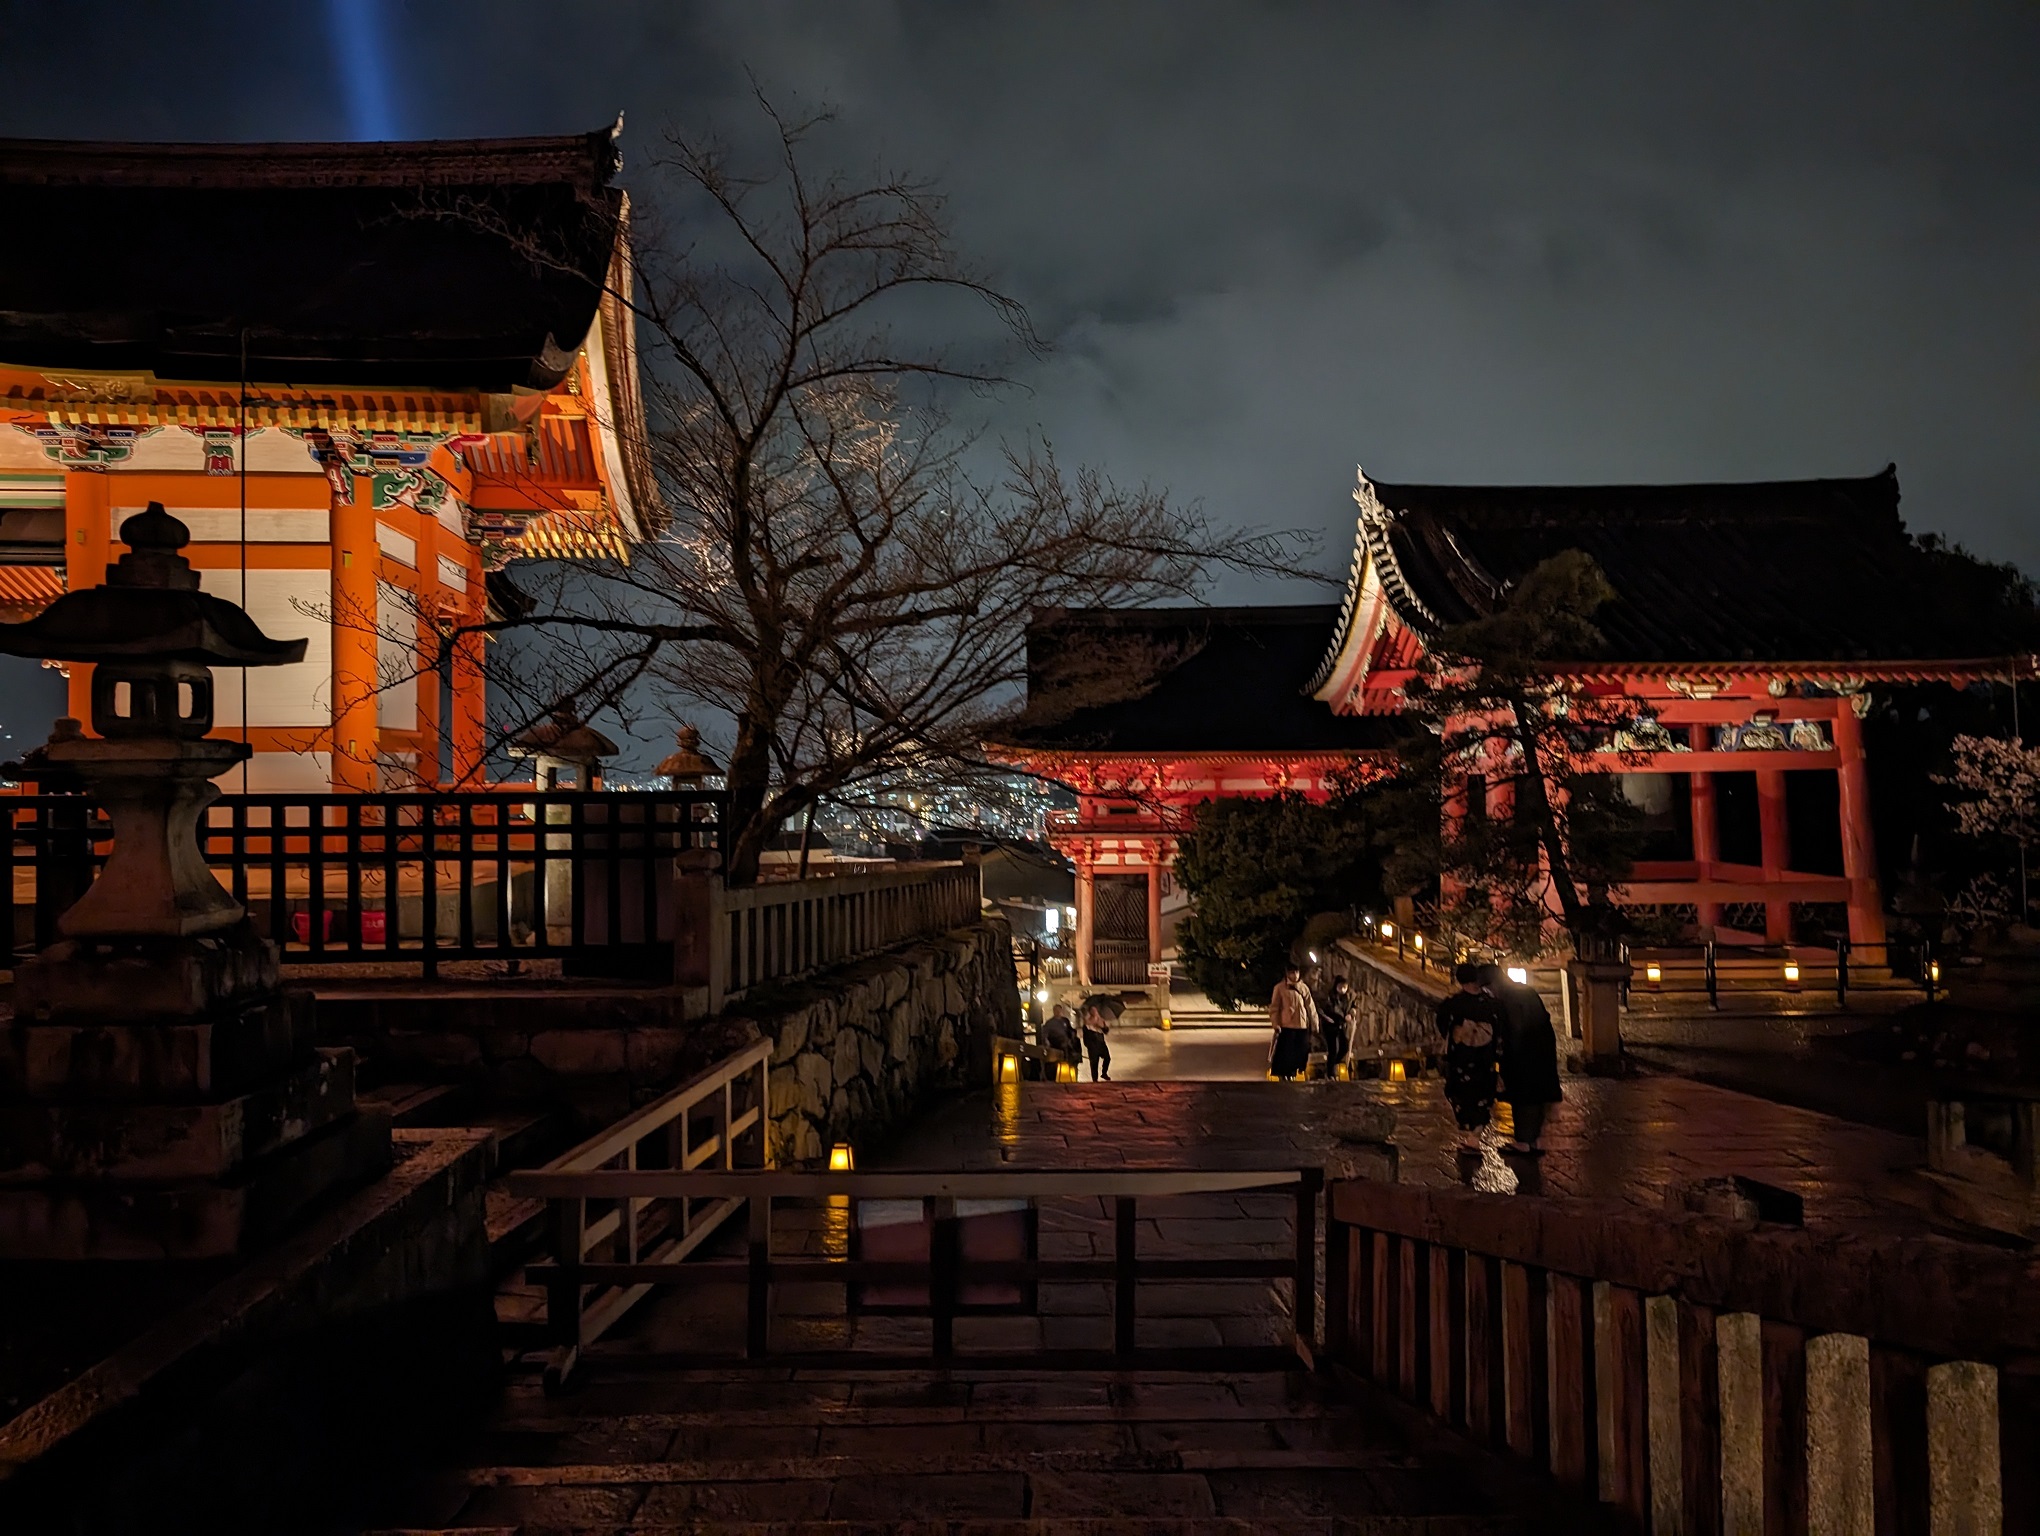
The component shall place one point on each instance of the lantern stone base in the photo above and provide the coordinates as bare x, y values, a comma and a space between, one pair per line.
163, 1099
86, 1219
87, 982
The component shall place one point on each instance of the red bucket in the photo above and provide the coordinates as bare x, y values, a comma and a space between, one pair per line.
301, 927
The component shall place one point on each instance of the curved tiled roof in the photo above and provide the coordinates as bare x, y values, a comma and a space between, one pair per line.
389, 263
1778, 571
1210, 679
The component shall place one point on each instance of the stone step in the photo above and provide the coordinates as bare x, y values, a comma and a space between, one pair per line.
421, 1104
1067, 1525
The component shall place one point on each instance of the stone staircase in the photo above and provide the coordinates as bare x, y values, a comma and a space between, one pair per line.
969, 1453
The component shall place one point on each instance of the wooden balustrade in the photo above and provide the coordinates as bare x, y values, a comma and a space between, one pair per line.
425, 876
1696, 1375
787, 929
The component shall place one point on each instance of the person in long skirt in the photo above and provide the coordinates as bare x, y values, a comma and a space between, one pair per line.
1471, 1022
1292, 1013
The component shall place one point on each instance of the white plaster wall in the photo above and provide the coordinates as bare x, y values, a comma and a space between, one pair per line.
281, 773
266, 525
396, 658
287, 604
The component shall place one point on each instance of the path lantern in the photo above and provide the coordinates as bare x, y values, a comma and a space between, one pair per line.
687, 766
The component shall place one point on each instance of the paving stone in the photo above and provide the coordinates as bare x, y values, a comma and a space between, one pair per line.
941, 1497
1062, 1495
786, 1499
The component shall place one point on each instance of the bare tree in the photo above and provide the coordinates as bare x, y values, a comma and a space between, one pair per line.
834, 582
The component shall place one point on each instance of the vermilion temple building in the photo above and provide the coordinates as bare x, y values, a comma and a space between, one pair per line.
364, 375
1751, 626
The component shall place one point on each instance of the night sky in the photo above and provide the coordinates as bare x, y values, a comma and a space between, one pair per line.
1472, 243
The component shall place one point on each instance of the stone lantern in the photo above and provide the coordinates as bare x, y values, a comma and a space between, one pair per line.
160, 1095
565, 741
687, 766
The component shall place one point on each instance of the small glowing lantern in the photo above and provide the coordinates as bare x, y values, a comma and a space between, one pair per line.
1041, 996
1520, 975
1388, 930
1397, 1072
1009, 1068
1654, 974
1066, 1071
841, 1158
1342, 1072
1313, 956
1417, 939
1792, 974
1934, 971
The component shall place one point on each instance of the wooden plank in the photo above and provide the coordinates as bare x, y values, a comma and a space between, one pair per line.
1525, 1376
1784, 1349
1413, 1334
1699, 1422
1571, 1375
633, 1128
1484, 1372
1303, 1299
758, 1293
1123, 1258
1381, 1328
1339, 1244
1360, 1320
617, 1184
1447, 1320
1619, 1400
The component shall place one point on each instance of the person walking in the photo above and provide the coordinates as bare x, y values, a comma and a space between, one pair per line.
1529, 1058
1292, 1012
1059, 1037
1338, 1022
1471, 1022
1099, 1013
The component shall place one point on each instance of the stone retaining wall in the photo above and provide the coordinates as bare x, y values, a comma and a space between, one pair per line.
858, 1050
1391, 1012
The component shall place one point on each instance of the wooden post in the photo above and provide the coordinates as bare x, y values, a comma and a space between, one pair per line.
1619, 1392
1525, 1329
944, 1253
1087, 906
88, 540
1413, 1335
1339, 1244
1706, 825
1699, 1422
1859, 843
563, 1301
1776, 831
1154, 907
1447, 1311
1784, 1350
1381, 1327
1484, 1369
1570, 1372
355, 672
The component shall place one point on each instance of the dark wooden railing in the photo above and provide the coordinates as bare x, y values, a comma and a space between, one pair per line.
1696, 1374
948, 1269
427, 876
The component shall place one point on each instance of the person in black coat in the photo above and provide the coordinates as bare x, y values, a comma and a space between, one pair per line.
1471, 1022
1529, 1052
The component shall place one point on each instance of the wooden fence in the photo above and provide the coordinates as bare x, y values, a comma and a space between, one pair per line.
948, 1269
425, 876
1696, 1375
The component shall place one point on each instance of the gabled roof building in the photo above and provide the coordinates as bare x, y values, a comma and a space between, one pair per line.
364, 375
1749, 626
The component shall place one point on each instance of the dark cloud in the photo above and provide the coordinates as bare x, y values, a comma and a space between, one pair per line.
1471, 242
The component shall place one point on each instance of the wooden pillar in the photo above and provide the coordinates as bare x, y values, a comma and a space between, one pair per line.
1706, 826
354, 637
1777, 840
88, 538
470, 714
1087, 896
1154, 905
1859, 845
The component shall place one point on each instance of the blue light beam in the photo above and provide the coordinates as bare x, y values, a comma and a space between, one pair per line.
358, 32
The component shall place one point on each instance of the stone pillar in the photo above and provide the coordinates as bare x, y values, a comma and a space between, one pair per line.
354, 639
1597, 988
1777, 842
1839, 1481
1739, 1355
1965, 1489
1706, 827
1859, 844
1663, 1416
